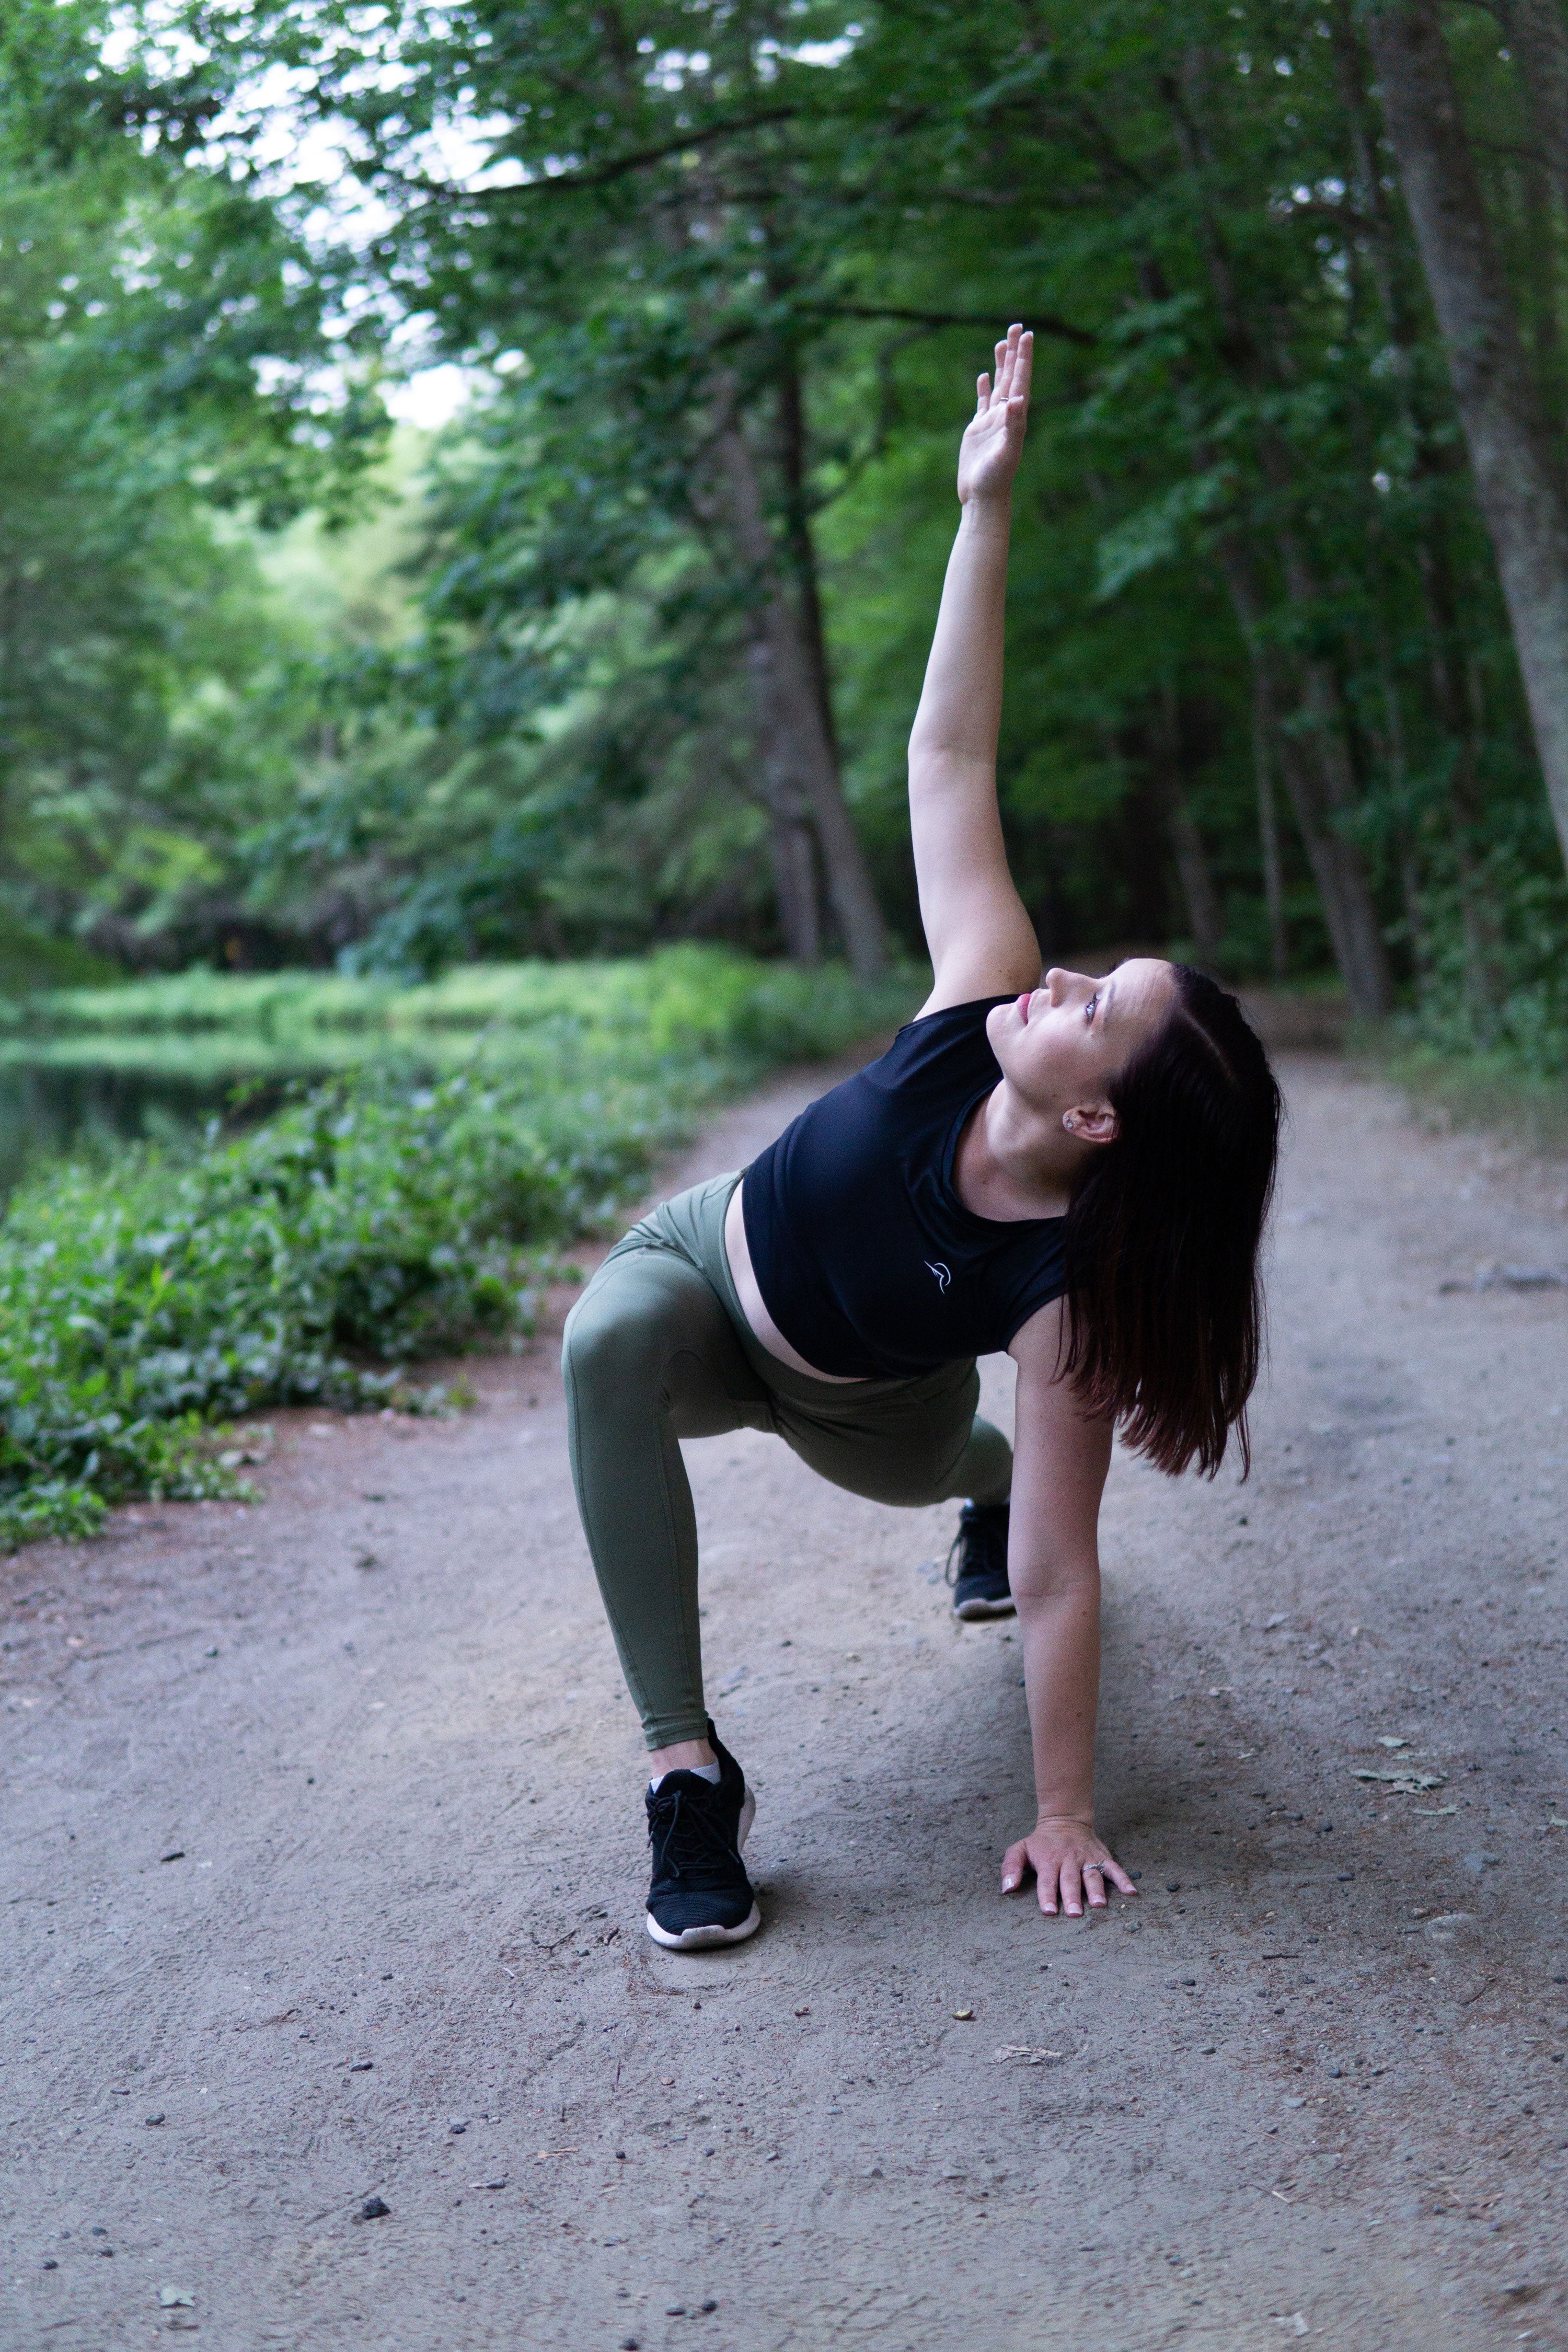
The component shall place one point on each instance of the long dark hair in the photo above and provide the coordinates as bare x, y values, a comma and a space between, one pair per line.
1164, 1324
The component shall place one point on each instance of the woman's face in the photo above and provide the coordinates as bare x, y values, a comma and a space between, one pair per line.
1061, 1045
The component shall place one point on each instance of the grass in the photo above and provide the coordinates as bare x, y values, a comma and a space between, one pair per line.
380, 1219
205, 1024
1475, 1090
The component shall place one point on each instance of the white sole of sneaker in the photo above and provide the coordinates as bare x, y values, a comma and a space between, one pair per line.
693, 1939
970, 1609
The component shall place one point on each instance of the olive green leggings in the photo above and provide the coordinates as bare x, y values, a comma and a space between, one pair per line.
657, 1349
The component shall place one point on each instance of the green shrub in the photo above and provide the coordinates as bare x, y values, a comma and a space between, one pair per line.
1449, 1088
375, 1221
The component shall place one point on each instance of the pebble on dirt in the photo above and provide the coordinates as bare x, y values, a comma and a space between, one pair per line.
157, 2118
373, 2209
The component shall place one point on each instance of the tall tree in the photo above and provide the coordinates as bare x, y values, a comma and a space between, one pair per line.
703, 263
137, 297
650, 221
1518, 484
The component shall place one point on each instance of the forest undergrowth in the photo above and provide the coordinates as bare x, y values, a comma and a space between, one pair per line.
1521, 1105
382, 1217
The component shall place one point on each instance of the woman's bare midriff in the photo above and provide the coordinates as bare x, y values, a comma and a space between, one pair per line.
763, 1329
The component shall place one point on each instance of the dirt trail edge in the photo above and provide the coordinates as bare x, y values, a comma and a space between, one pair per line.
324, 1859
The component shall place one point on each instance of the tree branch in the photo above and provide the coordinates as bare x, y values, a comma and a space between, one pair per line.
598, 175
1043, 323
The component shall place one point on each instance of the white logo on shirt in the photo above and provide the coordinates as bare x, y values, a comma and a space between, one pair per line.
942, 1275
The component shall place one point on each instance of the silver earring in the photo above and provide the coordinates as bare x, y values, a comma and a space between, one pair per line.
1067, 1122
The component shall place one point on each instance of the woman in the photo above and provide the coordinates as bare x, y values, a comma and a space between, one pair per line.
1074, 1170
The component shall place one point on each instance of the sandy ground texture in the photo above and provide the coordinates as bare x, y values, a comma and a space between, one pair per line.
324, 1863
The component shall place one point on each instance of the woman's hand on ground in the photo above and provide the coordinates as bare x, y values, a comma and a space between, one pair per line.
994, 442
1070, 1863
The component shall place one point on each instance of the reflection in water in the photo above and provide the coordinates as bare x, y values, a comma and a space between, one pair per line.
47, 1110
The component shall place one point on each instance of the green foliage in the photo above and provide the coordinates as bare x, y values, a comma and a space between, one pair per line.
30, 961
157, 324
1450, 1087
524, 1017
527, 727
371, 1223
51, 1507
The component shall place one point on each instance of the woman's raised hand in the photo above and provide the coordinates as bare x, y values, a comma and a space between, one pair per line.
994, 440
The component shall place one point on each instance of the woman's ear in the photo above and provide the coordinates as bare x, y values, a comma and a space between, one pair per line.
1092, 1123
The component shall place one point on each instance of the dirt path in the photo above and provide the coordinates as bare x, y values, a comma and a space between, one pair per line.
324, 1863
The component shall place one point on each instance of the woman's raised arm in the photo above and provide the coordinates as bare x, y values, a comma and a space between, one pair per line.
981, 940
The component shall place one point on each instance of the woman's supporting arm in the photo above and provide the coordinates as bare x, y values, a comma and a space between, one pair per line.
1060, 1457
981, 939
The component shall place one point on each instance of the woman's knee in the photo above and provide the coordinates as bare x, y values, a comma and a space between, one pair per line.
612, 1341
648, 1326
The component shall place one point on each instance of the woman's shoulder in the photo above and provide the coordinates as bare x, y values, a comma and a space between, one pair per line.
944, 1026
947, 1045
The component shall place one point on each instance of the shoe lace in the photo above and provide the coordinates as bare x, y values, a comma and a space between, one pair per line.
977, 1545
684, 1833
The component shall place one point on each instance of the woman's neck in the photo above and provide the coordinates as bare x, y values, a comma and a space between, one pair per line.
1013, 1162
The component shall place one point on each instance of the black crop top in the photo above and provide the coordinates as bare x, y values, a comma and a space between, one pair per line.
867, 1259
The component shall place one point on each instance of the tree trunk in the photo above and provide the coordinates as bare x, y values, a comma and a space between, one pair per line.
798, 540
1538, 35
1269, 828
1318, 799
789, 826
1480, 915
1196, 878
1320, 743
1143, 858
1355, 934
805, 747
1206, 924
1516, 482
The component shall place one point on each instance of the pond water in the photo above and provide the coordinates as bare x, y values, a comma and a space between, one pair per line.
47, 1110
68, 1093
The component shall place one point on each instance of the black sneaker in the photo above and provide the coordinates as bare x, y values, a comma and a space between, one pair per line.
978, 1563
700, 1894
